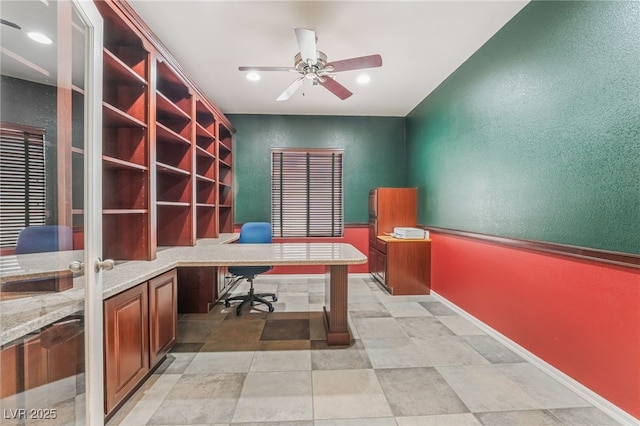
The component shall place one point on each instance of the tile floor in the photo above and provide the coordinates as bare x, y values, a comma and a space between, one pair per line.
413, 362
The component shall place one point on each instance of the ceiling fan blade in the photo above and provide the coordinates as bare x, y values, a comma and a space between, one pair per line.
291, 89
371, 61
266, 69
336, 88
307, 42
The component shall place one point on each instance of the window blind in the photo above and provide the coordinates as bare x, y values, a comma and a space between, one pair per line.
22, 181
306, 193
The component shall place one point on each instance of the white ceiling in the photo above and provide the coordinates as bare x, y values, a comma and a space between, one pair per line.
421, 43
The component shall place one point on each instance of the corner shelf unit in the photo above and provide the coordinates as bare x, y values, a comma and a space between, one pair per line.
167, 150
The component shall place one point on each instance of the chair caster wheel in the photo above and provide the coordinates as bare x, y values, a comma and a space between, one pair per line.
275, 298
271, 309
238, 312
227, 304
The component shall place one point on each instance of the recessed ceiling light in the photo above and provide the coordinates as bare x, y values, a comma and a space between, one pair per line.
40, 38
253, 76
363, 79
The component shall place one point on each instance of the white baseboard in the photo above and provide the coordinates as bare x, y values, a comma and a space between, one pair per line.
596, 400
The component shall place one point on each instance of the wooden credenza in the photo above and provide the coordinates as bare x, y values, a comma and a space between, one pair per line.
402, 266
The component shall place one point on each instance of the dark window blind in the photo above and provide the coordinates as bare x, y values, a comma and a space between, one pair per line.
22, 182
306, 193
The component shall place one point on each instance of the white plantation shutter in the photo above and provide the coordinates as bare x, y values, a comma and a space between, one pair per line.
22, 181
306, 193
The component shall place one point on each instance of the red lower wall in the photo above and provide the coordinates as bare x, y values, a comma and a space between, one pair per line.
357, 236
580, 316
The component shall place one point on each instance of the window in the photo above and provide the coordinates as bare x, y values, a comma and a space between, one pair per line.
22, 181
306, 193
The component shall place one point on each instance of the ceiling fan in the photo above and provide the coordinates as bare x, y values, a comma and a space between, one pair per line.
312, 65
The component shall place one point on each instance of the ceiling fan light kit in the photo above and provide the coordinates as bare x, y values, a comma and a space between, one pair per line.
312, 65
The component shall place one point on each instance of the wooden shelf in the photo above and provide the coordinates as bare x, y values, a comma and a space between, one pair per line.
224, 163
77, 150
168, 108
116, 163
205, 179
114, 117
118, 71
168, 135
166, 168
201, 131
205, 205
124, 211
172, 204
201, 152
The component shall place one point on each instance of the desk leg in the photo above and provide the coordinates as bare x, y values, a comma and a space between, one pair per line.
335, 309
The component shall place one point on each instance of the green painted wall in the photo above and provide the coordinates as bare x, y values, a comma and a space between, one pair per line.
374, 155
537, 135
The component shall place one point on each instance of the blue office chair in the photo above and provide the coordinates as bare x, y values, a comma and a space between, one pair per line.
40, 239
251, 233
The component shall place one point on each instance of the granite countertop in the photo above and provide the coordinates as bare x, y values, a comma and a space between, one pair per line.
21, 316
391, 239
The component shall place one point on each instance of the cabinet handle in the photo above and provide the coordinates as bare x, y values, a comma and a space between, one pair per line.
104, 264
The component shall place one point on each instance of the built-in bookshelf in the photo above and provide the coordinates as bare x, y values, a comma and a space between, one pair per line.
225, 178
167, 149
174, 158
126, 167
205, 160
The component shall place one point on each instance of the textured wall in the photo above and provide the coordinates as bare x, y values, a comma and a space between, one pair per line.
374, 155
537, 135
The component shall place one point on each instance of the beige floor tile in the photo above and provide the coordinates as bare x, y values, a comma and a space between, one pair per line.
466, 419
378, 328
281, 361
418, 392
339, 394
275, 396
485, 388
220, 362
460, 325
449, 350
406, 309
394, 353
541, 387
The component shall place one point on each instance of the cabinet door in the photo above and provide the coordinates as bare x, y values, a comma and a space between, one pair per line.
382, 268
373, 261
126, 343
163, 315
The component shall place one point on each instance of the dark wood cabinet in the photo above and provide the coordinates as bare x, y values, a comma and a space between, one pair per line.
126, 343
401, 266
407, 266
140, 327
163, 315
54, 353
